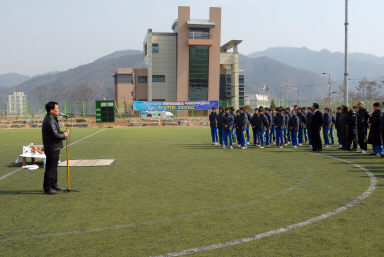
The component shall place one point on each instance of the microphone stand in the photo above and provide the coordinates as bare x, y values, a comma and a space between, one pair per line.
67, 150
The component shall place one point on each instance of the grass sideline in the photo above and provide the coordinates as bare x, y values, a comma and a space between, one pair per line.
170, 190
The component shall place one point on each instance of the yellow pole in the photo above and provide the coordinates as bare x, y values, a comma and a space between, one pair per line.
67, 149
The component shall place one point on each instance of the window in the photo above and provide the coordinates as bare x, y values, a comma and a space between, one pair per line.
155, 48
142, 79
158, 78
198, 73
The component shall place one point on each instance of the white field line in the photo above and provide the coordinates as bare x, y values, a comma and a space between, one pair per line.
371, 188
123, 226
19, 169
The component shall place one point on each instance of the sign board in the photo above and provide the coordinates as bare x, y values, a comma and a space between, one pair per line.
105, 111
174, 105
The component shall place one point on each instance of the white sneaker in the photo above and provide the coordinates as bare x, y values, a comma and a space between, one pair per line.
378, 155
281, 147
359, 151
216, 143
326, 146
261, 147
224, 147
231, 147
363, 151
247, 143
295, 146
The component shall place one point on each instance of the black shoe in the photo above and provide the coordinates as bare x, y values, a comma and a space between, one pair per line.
59, 188
50, 191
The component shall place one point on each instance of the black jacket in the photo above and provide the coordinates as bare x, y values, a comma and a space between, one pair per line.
294, 123
362, 119
255, 120
316, 121
270, 119
52, 136
327, 121
309, 118
243, 120
229, 121
339, 118
212, 120
264, 123
279, 121
219, 118
303, 120
375, 132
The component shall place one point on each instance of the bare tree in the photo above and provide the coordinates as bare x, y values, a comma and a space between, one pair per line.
361, 88
82, 95
40, 93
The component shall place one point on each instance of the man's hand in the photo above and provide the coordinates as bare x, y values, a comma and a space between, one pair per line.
66, 133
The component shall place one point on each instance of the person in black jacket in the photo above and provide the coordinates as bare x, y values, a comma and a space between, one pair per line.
302, 125
228, 122
268, 114
305, 133
279, 122
243, 122
263, 127
362, 127
237, 127
327, 124
52, 141
294, 126
234, 137
331, 136
316, 123
213, 125
219, 118
254, 123
375, 130
309, 118
350, 122
338, 125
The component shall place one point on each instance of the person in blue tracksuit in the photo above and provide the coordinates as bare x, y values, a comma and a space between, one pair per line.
305, 133
327, 124
333, 124
279, 122
294, 126
376, 130
273, 131
237, 128
254, 124
286, 131
268, 114
248, 122
263, 127
228, 122
243, 121
309, 118
219, 119
213, 125
232, 112
302, 125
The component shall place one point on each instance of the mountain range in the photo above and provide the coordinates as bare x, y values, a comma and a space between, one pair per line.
284, 70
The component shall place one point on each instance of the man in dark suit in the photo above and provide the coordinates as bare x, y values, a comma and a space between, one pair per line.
315, 127
52, 141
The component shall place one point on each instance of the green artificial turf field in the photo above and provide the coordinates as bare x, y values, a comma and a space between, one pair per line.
170, 190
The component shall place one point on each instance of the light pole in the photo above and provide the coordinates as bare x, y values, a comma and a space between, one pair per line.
346, 56
329, 87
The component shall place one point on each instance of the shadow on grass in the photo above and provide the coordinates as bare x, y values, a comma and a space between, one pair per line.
22, 192
31, 192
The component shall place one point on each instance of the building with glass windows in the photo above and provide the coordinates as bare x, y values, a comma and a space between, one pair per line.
189, 63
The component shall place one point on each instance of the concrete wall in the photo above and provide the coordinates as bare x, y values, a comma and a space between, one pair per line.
164, 63
182, 53
214, 55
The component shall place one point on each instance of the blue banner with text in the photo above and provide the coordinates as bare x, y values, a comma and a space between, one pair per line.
174, 105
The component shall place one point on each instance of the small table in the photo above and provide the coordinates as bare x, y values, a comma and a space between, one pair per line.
23, 157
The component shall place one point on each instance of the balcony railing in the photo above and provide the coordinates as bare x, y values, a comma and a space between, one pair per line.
199, 35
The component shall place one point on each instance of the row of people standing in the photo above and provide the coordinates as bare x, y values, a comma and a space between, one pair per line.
354, 124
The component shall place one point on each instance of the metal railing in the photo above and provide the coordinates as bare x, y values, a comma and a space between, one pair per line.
199, 35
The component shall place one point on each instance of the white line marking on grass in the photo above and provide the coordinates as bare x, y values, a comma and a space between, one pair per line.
371, 188
123, 226
19, 169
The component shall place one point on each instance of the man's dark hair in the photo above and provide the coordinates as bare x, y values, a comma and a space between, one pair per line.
316, 105
303, 108
213, 108
376, 104
50, 106
339, 108
227, 109
354, 107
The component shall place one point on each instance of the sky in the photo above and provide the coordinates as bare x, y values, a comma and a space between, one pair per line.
41, 36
